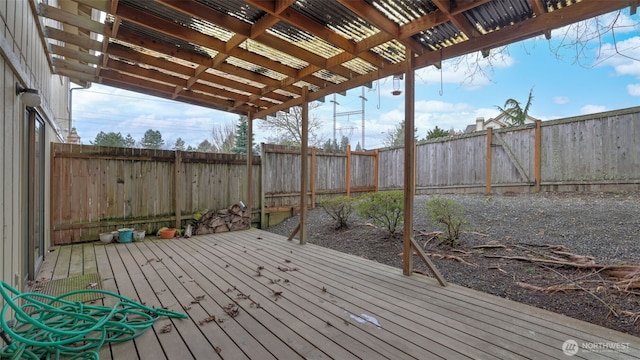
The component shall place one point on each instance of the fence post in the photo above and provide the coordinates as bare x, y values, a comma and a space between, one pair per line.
537, 157
178, 188
348, 174
249, 198
488, 175
376, 171
263, 175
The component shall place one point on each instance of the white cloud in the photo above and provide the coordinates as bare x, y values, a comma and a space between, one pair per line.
591, 109
623, 56
440, 106
633, 89
560, 100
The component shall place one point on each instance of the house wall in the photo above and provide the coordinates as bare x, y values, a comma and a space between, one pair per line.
23, 60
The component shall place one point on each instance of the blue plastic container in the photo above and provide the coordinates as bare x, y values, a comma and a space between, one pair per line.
125, 235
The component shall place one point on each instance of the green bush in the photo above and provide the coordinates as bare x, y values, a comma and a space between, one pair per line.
448, 216
340, 209
383, 209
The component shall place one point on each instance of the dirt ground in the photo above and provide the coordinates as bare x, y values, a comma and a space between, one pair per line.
541, 229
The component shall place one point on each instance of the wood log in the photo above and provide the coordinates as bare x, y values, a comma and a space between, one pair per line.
235, 209
239, 225
221, 228
214, 223
230, 219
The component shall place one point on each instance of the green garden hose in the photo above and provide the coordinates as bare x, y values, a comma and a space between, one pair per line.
48, 327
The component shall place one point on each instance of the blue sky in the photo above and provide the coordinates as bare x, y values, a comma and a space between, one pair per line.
604, 76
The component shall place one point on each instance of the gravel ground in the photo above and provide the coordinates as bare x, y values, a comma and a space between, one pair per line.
603, 226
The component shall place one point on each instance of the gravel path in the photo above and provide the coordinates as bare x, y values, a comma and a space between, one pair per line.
604, 226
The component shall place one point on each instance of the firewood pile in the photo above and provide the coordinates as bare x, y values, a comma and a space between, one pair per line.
234, 218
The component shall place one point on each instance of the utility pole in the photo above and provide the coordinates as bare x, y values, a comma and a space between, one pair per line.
363, 100
334, 117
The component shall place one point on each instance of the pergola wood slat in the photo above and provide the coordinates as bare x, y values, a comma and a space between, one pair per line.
286, 90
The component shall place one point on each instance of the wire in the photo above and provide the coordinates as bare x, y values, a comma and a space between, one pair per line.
48, 327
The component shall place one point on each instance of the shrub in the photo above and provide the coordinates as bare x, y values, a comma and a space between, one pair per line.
340, 209
383, 209
448, 216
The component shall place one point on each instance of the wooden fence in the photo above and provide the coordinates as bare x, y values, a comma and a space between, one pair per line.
597, 152
97, 189
330, 173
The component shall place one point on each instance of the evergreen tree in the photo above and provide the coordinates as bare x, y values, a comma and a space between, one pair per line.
179, 145
437, 133
514, 112
129, 141
204, 146
242, 137
344, 142
358, 147
109, 139
152, 139
328, 145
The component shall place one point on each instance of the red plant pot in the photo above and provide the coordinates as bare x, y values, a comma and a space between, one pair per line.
167, 233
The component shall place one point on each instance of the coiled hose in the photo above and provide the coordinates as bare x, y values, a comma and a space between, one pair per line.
48, 327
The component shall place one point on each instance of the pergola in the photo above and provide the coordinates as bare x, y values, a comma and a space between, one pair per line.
258, 57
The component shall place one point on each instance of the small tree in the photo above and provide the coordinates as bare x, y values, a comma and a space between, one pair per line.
383, 208
437, 133
179, 145
340, 209
204, 146
395, 137
344, 142
448, 216
152, 140
514, 112
129, 141
109, 139
328, 145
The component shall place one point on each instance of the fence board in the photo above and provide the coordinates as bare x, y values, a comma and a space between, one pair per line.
97, 189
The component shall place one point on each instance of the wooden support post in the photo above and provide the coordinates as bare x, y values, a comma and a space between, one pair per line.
313, 177
427, 261
178, 189
348, 170
538, 156
249, 199
415, 166
376, 171
409, 161
264, 165
489, 166
304, 173
294, 232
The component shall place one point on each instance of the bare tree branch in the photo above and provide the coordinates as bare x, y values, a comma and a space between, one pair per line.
224, 136
287, 127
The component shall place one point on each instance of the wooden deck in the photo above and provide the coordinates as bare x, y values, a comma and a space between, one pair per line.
314, 303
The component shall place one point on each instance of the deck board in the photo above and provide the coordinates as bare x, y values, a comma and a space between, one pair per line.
314, 310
